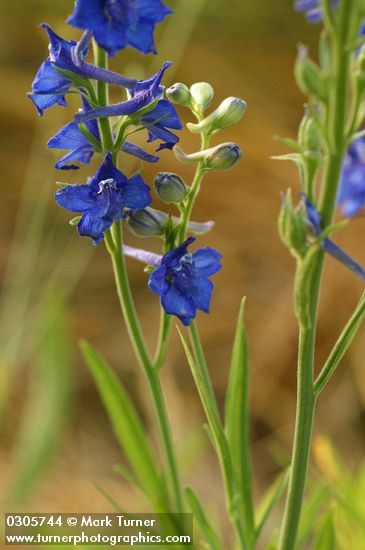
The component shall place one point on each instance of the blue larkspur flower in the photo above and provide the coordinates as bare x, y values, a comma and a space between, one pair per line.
314, 222
351, 196
146, 92
312, 9
82, 149
182, 280
50, 85
116, 24
157, 121
103, 199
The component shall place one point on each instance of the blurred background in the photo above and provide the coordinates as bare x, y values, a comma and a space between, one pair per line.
57, 449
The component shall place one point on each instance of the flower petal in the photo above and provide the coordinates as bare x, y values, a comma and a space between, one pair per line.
136, 151
136, 193
207, 261
331, 248
75, 198
176, 303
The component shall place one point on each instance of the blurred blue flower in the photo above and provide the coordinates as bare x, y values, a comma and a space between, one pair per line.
120, 23
312, 9
314, 222
103, 199
82, 149
351, 196
182, 280
145, 93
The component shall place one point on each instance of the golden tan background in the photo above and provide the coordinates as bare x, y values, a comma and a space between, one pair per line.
242, 48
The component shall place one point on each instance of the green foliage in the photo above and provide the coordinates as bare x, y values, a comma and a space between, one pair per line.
237, 418
211, 539
128, 428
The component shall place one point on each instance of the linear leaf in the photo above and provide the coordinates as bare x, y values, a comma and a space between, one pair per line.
342, 345
326, 537
237, 418
211, 537
269, 501
127, 427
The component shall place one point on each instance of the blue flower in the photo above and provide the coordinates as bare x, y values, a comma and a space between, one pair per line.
182, 280
145, 93
103, 199
351, 196
120, 23
66, 67
312, 9
314, 222
81, 149
157, 121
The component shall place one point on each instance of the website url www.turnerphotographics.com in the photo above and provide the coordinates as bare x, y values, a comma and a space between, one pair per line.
99, 529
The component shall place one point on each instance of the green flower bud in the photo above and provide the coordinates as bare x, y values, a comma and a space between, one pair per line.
309, 135
229, 112
170, 187
293, 227
308, 75
179, 93
222, 156
147, 222
202, 94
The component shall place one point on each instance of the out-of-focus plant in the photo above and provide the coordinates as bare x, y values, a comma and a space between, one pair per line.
329, 149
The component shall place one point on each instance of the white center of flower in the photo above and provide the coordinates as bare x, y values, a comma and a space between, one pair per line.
107, 184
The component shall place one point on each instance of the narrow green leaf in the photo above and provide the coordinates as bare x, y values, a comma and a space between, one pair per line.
269, 501
48, 404
311, 511
326, 537
109, 497
210, 536
237, 418
205, 390
127, 426
342, 345
202, 381
124, 473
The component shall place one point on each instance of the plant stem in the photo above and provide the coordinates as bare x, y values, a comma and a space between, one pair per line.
114, 245
165, 320
305, 392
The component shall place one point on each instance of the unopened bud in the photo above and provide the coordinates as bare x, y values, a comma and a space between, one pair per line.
309, 135
308, 75
222, 156
179, 93
147, 222
170, 187
202, 94
229, 112
293, 227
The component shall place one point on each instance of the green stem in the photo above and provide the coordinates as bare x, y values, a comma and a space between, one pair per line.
163, 340
114, 245
165, 320
193, 193
305, 392
101, 59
